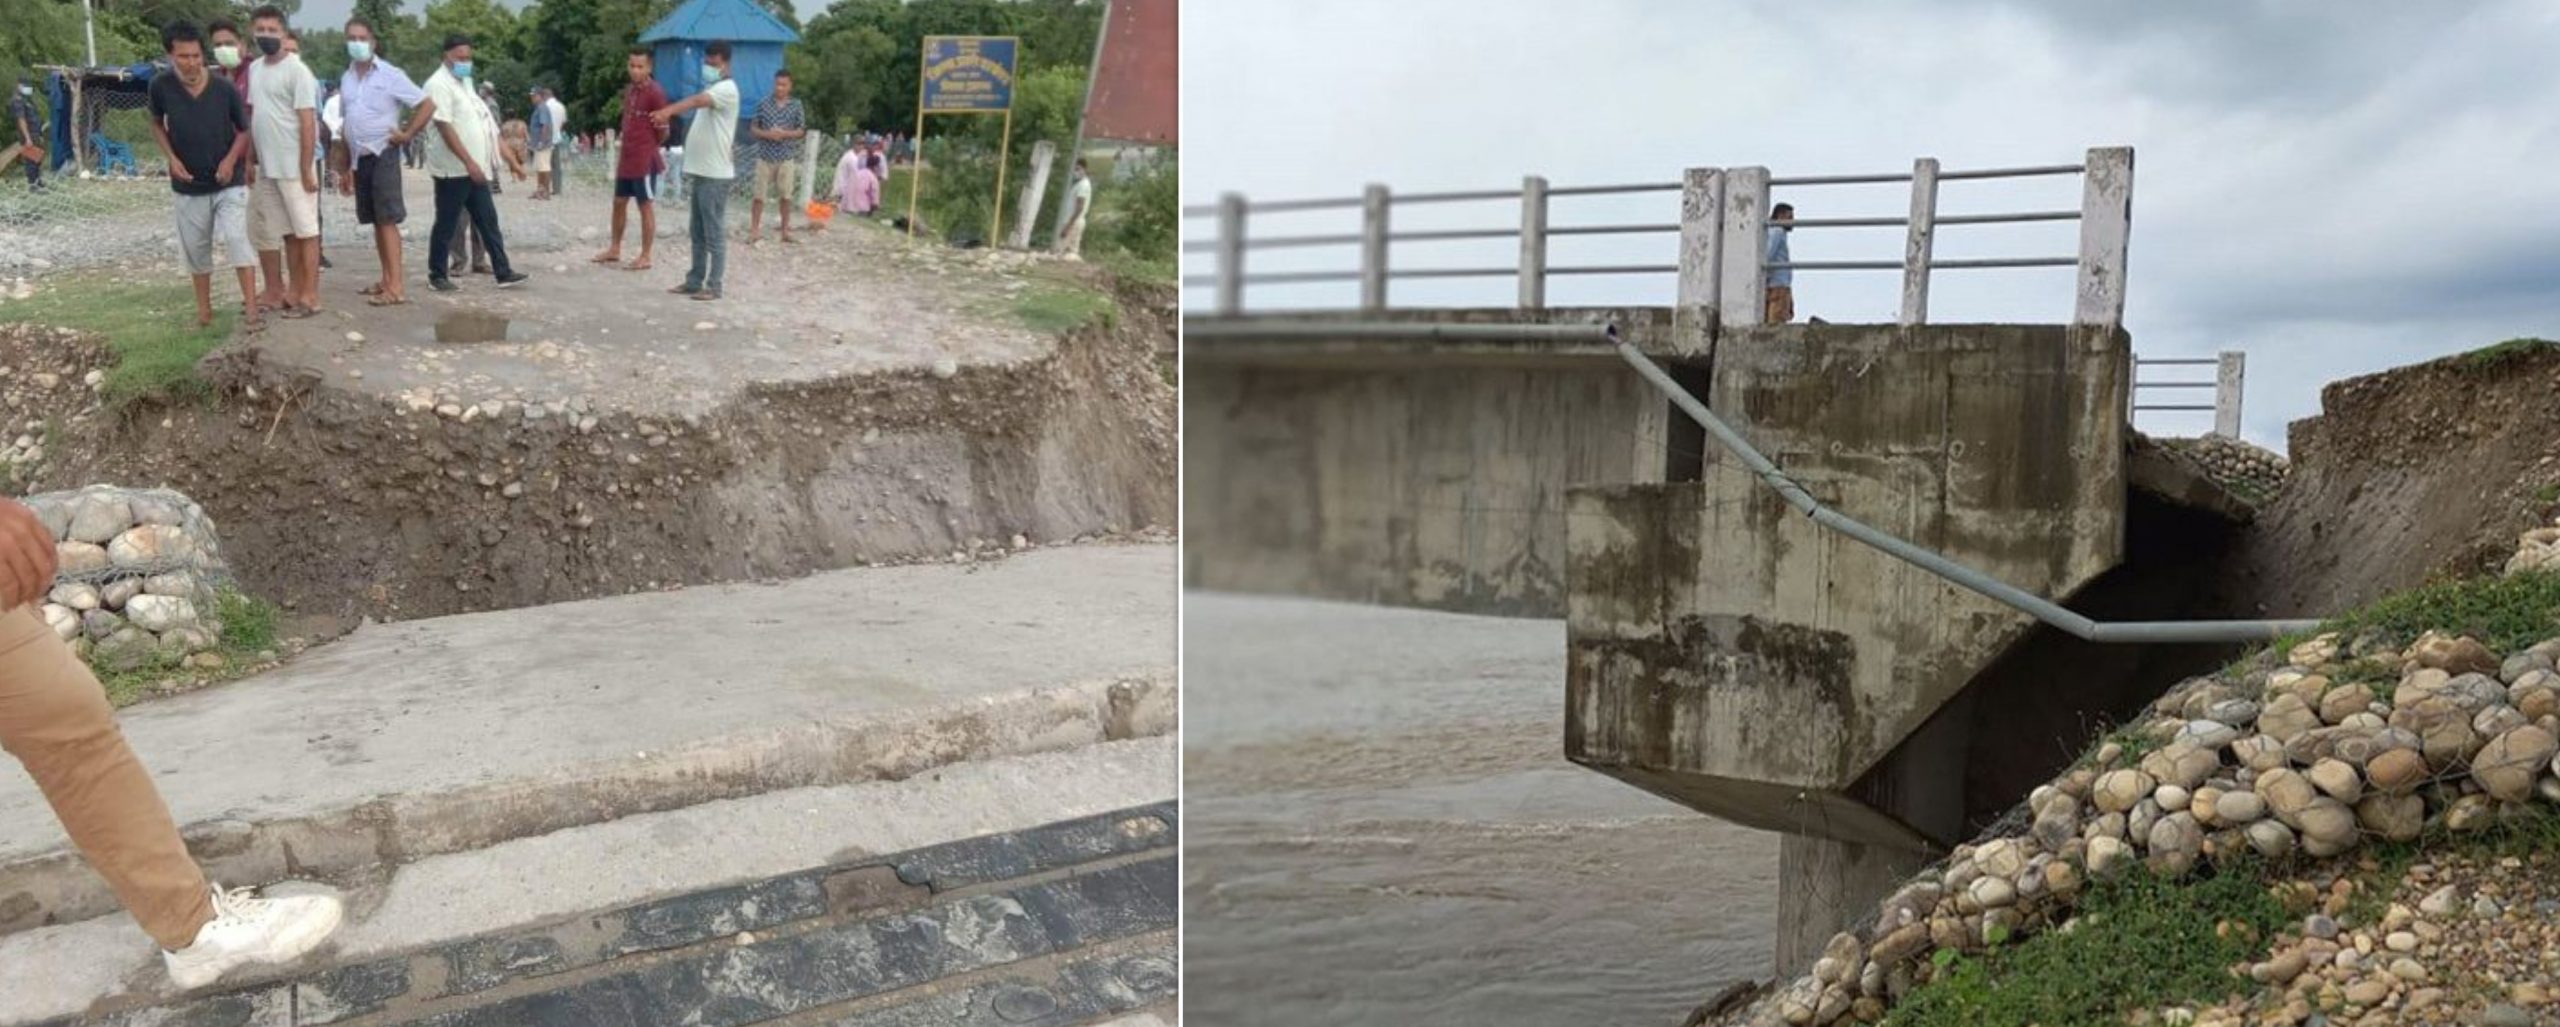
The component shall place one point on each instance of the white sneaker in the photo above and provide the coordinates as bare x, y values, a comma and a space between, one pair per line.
247, 929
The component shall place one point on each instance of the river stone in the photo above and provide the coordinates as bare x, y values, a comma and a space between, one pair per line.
2104, 825
2232, 712
2271, 838
2238, 807
2498, 719
1948, 932
64, 621
2320, 649
2468, 813
78, 595
2173, 798
1900, 944
2364, 723
150, 546
2138, 821
2287, 793
98, 516
72, 559
161, 613
2474, 692
2336, 778
2443, 729
128, 649
1832, 1005
174, 583
2397, 818
2204, 804
2207, 734
2507, 766
98, 624
2419, 683
1909, 904
115, 594
2358, 748
2286, 717
2345, 701
1992, 892
2259, 753
1848, 954
2536, 701
2107, 855
153, 510
2176, 841
2055, 827
2454, 655
2118, 790
179, 642
2514, 668
2328, 828
2181, 764
53, 513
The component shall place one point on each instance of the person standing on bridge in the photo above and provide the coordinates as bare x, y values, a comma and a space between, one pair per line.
370, 96
55, 718
779, 125
636, 167
463, 169
1781, 307
203, 129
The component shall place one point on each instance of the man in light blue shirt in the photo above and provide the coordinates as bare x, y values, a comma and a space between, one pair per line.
370, 97
1781, 306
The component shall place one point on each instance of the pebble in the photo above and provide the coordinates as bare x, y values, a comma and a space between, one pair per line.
2441, 902
2501, 1014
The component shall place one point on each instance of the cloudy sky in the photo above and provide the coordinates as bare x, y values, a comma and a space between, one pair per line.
2330, 187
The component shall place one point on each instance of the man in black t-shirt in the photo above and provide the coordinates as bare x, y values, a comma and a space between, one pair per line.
203, 128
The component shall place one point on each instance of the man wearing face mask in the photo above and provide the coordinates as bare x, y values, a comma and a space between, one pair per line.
370, 97
710, 164
462, 166
284, 108
22, 112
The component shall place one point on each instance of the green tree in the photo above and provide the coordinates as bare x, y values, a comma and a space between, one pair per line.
578, 47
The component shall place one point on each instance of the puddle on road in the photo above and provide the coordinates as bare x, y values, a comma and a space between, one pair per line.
469, 326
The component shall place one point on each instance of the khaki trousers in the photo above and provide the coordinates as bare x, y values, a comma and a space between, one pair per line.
55, 719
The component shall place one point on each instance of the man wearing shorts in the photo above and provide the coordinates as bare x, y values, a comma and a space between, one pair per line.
636, 167
284, 128
545, 133
777, 130
370, 96
203, 130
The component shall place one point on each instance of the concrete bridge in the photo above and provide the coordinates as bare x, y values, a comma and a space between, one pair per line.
1751, 664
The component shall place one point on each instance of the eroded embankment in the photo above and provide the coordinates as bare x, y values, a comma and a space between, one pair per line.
347, 503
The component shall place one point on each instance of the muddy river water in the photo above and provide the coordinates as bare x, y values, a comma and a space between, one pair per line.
1381, 828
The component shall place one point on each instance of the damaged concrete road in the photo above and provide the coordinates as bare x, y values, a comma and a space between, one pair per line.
446, 735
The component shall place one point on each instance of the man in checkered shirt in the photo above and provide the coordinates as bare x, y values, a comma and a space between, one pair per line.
778, 126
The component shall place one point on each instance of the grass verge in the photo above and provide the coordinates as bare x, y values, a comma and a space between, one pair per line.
2491, 357
149, 326
1062, 308
2142, 942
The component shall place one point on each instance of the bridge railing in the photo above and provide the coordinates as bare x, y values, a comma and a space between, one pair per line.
2151, 392
1719, 257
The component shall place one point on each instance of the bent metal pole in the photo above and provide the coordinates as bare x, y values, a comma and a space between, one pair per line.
1974, 580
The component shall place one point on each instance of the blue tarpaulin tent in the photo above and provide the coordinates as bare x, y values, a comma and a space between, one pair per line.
755, 36
101, 90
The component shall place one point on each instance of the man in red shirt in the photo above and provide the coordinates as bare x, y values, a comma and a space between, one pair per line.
635, 170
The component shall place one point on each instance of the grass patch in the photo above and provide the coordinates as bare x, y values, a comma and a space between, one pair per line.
1052, 308
2548, 494
1131, 267
248, 629
2143, 942
2508, 613
2488, 358
149, 326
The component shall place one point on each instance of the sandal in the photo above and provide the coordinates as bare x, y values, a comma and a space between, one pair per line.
637, 265
386, 300
371, 290
605, 258
297, 313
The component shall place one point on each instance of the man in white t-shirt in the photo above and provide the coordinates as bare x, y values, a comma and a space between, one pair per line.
1079, 205
710, 163
284, 128
463, 162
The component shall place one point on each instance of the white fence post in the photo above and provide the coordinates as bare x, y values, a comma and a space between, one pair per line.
1533, 243
1742, 281
1916, 249
809, 168
1373, 248
1035, 187
1231, 254
1701, 240
2106, 223
2228, 371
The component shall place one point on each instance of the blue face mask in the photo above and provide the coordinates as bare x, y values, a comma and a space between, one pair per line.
359, 50
710, 74
462, 69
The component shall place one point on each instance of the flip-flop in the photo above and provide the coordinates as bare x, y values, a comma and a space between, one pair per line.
637, 265
386, 300
602, 259
252, 325
371, 290
298, 313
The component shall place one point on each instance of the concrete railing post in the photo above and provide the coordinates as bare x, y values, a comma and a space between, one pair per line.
2228, 370
1373, 248
2106, 223
1701, 239
1916, 248
1035, 187
1231, 254
1533, 243
1742, 280
809, 169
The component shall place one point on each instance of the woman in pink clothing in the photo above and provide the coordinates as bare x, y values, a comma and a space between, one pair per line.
856, 188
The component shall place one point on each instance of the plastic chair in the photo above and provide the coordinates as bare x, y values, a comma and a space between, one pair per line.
113, 155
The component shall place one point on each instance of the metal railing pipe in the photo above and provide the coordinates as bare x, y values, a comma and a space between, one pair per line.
2026, 172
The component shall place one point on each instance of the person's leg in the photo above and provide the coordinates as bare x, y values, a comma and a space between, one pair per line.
55, 719
755, 208
440, 234
194, 215
648, 222
266, 233
695, 234
714, 201
484, 224
786, 188
621, 215
231, 237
